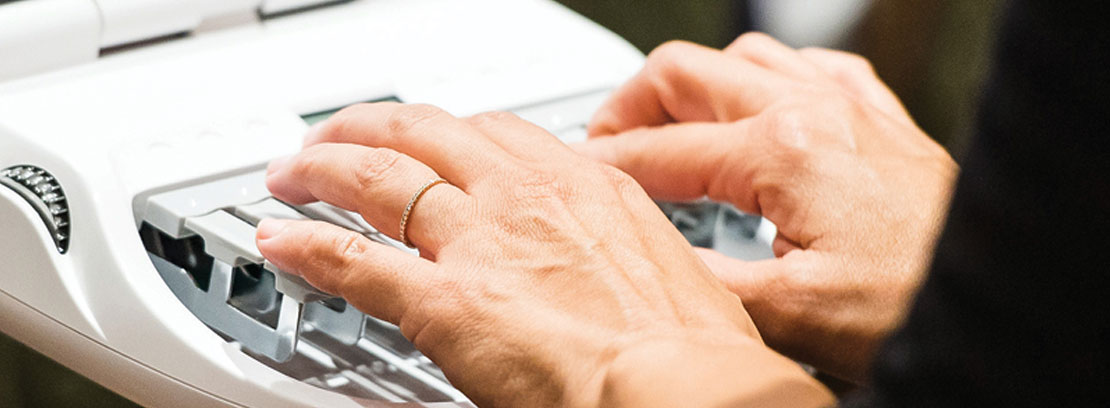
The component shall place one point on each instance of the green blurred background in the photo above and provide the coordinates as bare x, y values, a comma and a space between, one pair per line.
933, 54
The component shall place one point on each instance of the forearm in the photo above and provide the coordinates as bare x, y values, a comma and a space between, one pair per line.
743, 374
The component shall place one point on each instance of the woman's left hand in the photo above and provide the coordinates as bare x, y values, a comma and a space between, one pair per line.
815, 142
545, 278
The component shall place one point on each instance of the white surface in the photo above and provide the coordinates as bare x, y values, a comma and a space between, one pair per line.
150, 119
277, 6
127, 21
40, 35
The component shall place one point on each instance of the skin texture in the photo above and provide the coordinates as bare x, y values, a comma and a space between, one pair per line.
546, 278
812, 140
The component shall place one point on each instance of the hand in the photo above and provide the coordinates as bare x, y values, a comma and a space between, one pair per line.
546, 278
814, 142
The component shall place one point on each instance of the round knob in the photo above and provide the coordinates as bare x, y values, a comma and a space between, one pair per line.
43, 192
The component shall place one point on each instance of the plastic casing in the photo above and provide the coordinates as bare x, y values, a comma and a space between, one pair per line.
149, 119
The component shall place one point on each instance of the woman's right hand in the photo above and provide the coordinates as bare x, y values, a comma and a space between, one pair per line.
547, 279
813, 141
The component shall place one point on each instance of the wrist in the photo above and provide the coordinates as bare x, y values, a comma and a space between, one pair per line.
698, 373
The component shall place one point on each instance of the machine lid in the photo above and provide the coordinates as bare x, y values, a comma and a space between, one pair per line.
43, 35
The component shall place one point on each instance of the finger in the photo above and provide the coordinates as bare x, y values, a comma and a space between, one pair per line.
454, 149
688, 83
311, 133
744, 163
798, 305
517, 136
761, 285
769, 53
751, 281
376, 279
769, 289
676, 162
856, 76
376, 183
783, 245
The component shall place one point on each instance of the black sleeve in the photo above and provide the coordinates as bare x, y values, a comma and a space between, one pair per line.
1015, 310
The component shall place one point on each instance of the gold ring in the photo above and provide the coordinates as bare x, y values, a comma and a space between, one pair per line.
412, 203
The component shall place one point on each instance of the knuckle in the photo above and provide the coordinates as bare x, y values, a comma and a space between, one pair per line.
796, 161
329, 256
541, 185
537, 179
375, 165
858, 62
667, 57
841, 64
753, 40
670, 50
798, 139
840, 107
410, 118
851, 62
789, 129
812, 50
317, 255
619, 179
492, 117
346, 250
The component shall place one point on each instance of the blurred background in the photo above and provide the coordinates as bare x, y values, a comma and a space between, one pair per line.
932, 54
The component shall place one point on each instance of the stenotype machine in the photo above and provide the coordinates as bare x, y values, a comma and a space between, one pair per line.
133, 137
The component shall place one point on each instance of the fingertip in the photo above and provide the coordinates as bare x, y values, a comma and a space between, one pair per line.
600, 125
284, 189
270, 238
277, 164
271, 228
711, 257
275, 174
314, 133
723, 266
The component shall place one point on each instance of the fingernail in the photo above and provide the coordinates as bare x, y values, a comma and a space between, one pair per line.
270, 228
276, 164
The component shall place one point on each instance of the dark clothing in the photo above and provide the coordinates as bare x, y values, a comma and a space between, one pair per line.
1015, 311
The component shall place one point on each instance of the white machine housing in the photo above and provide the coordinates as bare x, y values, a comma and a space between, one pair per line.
120, 100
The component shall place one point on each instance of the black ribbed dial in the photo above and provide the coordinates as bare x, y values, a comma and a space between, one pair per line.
43, 192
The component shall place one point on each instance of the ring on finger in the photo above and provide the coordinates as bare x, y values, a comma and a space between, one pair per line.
412, 203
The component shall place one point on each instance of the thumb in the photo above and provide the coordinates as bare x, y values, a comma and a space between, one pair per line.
750, 280
676, 162
765, 283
